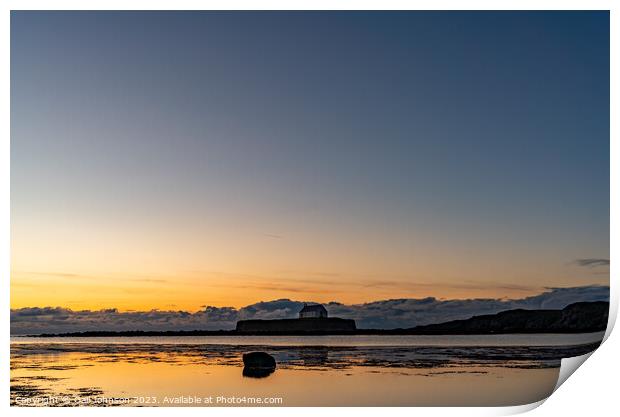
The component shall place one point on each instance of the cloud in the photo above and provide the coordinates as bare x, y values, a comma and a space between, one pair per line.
395, 313
273, 236
277, 309
592, 262
413, 312
71, 275
58, 319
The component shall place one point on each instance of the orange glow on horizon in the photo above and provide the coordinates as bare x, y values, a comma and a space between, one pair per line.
192, 293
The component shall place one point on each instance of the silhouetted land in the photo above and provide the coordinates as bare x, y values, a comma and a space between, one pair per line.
574, 318
332, 325
582, 317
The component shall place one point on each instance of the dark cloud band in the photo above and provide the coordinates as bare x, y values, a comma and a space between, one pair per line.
592, 262
378, 314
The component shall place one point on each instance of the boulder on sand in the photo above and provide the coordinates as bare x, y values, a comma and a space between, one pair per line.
258, 364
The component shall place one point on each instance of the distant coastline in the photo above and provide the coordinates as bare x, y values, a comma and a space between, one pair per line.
583, 317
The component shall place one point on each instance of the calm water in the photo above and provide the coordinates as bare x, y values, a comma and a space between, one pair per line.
314, 370
456, 340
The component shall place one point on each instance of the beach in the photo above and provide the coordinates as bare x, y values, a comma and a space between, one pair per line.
311, 370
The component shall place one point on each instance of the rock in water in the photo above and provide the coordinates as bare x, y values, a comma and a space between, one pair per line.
258, 360
258, 364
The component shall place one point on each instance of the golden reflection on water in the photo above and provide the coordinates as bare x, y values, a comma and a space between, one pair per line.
160, 379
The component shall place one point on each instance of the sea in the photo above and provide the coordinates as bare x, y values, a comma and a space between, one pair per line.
361, 370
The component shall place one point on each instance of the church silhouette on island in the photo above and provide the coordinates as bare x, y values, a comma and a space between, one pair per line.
314, 311
313, 318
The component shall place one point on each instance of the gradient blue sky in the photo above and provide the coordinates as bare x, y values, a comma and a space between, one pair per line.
223, 158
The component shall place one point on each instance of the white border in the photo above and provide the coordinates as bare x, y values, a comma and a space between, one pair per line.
577, 401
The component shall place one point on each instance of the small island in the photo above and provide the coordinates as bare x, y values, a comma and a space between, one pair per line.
312, 319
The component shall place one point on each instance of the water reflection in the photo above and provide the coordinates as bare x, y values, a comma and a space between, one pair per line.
306, 375
251, 372
314, 357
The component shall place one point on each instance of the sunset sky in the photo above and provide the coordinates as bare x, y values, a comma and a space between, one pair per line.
175, 160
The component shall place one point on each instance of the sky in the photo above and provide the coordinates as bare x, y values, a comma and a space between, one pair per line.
383, 314
177, 160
